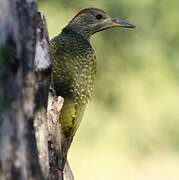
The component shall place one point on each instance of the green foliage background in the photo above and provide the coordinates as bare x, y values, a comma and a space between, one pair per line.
130, 130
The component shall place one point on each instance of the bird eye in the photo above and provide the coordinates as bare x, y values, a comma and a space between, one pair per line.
99, 16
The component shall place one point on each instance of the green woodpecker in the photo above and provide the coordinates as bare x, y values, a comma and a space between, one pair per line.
74, 66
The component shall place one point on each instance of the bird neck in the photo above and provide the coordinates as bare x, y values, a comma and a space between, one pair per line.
78, 28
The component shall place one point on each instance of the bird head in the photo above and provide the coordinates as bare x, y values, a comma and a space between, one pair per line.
91, 20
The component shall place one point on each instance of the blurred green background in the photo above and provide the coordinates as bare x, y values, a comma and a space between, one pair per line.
131, 127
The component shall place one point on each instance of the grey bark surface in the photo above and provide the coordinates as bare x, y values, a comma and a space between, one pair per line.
42, 69
27, 134
26, 12
55, 150
48, 133
18, 153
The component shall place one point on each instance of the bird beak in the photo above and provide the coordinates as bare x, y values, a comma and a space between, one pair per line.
114, 23
119, 23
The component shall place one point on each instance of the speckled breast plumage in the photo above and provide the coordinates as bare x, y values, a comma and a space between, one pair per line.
73, 71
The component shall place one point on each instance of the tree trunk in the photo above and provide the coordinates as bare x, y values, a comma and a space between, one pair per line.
25, 75
18, 155
42, 69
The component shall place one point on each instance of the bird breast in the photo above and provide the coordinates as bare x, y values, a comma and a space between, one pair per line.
73, 66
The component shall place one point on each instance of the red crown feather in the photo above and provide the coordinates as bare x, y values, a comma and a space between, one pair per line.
83, 10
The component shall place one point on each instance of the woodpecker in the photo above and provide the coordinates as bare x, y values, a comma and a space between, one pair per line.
74, 66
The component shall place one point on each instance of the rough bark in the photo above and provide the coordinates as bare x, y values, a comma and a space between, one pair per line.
54, 128
24, 88
26, 12
18, 154
55, 149
47, 133
42, 69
